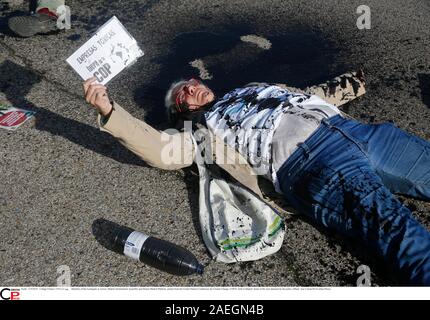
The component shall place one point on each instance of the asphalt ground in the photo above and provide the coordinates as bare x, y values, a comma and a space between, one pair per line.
60, 175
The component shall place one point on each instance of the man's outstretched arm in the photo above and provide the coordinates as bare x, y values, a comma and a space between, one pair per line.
342, 89
138, 136
337, 91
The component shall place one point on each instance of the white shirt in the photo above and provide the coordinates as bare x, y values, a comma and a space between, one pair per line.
265, 124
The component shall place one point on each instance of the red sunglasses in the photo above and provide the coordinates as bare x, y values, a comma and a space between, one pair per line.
183, 91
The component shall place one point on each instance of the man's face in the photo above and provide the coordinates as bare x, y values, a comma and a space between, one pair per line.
195, 94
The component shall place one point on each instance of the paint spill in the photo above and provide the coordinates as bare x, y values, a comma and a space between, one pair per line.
261, 42
200, 65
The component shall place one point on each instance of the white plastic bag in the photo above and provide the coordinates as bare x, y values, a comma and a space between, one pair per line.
236, 224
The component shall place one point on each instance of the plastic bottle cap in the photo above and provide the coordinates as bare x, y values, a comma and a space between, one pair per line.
200, 269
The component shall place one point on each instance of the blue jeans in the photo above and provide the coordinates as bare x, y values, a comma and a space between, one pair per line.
343, 177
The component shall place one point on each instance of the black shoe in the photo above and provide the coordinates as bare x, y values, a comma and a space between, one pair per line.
27, 26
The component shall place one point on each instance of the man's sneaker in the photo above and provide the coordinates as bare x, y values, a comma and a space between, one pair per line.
27, 26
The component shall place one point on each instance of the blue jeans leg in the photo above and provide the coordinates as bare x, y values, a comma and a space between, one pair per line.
401, 159
331, 179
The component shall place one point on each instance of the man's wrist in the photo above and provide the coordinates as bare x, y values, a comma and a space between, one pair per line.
105, 113
105, 118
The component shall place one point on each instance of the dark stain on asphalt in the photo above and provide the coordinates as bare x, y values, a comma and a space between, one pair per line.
298, 58
107, 9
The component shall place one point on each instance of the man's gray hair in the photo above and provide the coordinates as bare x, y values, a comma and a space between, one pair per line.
170, 99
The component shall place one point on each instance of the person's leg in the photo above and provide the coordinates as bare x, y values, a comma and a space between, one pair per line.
401, 159
331, 180
43, 21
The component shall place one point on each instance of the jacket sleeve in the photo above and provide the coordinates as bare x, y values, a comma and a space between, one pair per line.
341, 89
168, 151
337, 91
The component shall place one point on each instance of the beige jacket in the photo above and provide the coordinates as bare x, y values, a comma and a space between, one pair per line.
147, 142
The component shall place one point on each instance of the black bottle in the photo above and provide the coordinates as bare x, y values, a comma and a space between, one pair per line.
157, 253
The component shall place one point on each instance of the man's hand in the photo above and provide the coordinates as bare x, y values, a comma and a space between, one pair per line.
96, 95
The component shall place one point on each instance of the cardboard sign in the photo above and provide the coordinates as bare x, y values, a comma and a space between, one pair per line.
12, 118
106, 54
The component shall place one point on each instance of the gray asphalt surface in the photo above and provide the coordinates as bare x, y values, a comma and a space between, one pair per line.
59, 174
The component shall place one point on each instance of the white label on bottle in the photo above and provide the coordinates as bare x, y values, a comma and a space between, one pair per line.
134, 244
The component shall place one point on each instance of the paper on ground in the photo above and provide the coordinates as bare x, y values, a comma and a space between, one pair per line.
106, 54
12, 118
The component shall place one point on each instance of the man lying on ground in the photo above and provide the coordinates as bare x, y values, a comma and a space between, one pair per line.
339, 172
